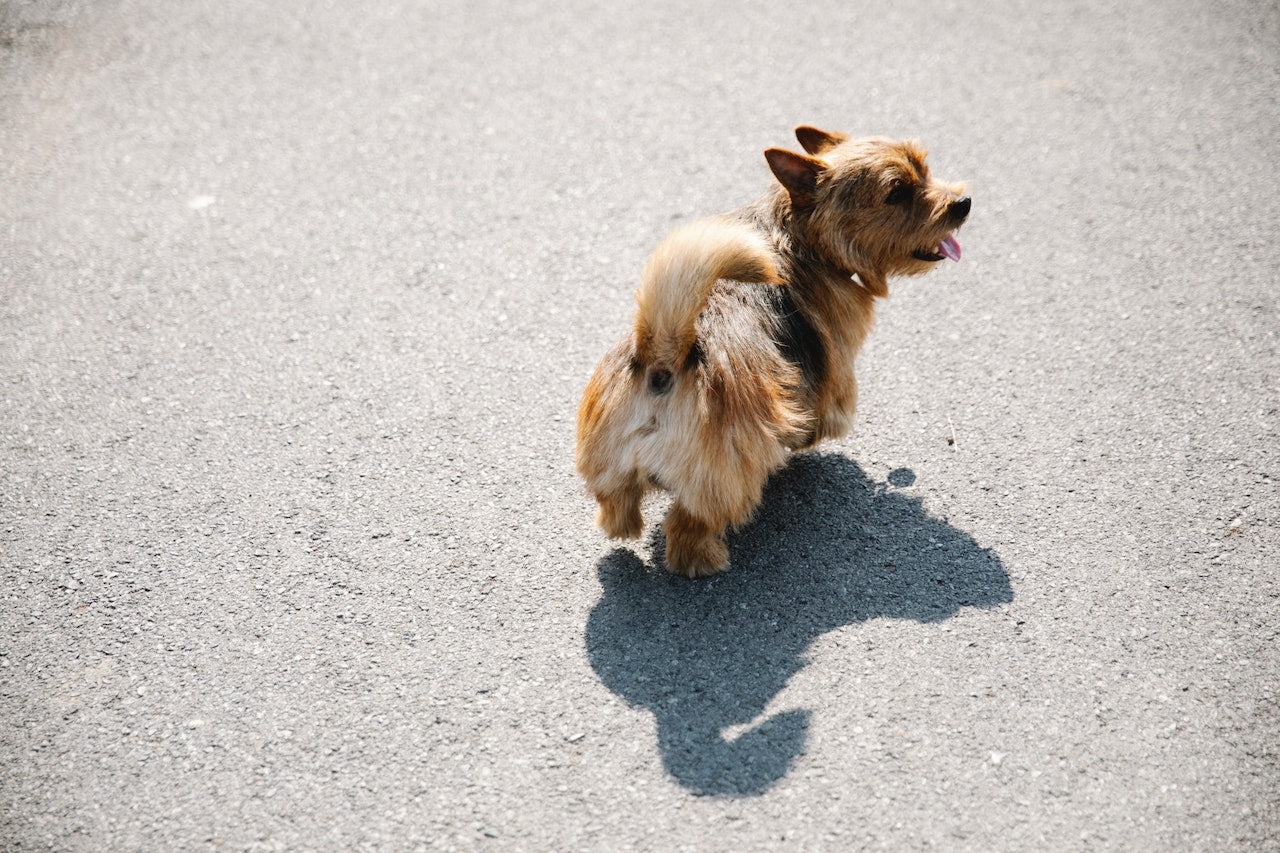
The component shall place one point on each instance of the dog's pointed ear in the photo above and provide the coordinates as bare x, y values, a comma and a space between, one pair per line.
796, 172
816, 141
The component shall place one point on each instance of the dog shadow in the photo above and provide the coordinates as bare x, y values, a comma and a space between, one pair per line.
829, 547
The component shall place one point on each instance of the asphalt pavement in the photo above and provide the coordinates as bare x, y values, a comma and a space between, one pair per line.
296, 303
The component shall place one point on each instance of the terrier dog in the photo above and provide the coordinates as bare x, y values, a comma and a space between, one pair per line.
744, 341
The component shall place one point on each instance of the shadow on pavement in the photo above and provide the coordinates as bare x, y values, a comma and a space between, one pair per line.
829, 547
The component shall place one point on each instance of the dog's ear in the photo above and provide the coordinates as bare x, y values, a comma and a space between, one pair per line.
816, 141
796, 172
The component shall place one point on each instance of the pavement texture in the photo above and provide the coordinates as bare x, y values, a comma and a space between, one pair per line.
296, 302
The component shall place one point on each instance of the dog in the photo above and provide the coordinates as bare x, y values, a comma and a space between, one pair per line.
747, 326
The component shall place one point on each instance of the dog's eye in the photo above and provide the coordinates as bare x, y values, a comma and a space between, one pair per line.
898, 194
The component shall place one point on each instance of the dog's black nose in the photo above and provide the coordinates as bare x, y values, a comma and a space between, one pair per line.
959, 209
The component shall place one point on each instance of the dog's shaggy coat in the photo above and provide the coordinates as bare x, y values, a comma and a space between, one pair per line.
745, 337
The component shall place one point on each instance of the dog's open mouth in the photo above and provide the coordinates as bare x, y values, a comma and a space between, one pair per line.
948, 248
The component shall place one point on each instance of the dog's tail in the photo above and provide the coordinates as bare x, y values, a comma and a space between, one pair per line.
677, 282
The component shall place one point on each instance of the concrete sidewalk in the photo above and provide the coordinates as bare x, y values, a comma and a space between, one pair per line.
296, 303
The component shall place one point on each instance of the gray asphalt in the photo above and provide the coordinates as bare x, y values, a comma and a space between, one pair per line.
296, 303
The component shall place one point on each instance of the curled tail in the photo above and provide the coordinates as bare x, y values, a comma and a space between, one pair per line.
677, 282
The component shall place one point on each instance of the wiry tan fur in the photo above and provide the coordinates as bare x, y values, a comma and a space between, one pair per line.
679, 276
745, 337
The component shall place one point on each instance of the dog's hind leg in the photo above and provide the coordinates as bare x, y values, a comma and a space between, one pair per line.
619, 514
719, 491
695, 547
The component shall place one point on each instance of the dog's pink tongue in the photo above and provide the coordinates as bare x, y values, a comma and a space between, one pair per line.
950, 247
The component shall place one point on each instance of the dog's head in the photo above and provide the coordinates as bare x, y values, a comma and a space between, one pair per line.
870, 206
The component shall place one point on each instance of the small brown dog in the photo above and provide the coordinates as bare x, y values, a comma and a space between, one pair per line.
746, 333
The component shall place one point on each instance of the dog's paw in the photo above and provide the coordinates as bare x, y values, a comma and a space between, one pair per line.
697, 558
620, 522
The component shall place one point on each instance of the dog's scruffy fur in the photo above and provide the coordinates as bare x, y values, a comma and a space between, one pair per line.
745, 337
